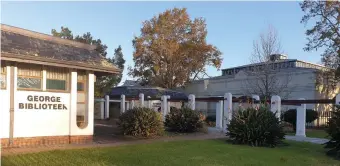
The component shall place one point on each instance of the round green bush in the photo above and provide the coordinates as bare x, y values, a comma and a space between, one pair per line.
183, 120
290, 116
255, 127
333, 131
141, 122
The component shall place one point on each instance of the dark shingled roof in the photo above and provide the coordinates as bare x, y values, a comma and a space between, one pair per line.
153, 92
23, 43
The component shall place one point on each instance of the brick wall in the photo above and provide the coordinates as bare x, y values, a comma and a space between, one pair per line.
51, 140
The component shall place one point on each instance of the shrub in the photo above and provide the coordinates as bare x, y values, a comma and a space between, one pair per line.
255, 127
141, 122
333, 131
211, 120
290, 116
183, 120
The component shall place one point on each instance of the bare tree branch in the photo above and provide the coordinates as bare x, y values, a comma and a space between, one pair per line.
263, 77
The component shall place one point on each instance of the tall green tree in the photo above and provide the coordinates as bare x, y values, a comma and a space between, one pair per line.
64, 33
172, 50
119, 60
107, 82
103, 83
325, 33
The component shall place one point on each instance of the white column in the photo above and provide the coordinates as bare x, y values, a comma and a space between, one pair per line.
8, 79
141, 99
90, 105
73, 104
122, 104
107, 106
102, 113
337, 99
44, 77
227, 110
149, 102
132, 104
301, 120
127, 105
15, 90
192, 101
219, 114
275, 106
5, 114
256, 98
164, 106
168, 104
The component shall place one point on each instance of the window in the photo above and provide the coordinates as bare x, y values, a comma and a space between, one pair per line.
81, 82
82, 114
57, 79
29, 77
3, 76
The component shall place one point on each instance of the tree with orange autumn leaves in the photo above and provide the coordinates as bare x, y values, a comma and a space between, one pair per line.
172, 50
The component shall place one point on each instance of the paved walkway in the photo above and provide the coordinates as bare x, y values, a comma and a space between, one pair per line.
288, 137
307, 139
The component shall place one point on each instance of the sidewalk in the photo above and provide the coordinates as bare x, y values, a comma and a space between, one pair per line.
306, 139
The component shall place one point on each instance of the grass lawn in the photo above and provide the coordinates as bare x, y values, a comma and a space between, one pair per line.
316, 133
206, 152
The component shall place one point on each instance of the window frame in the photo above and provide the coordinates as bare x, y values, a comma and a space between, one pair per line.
67, 81
25, 76
4, 74
82, 81
83, 121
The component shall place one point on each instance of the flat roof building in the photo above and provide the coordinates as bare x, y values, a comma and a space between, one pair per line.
47, 88
288, 78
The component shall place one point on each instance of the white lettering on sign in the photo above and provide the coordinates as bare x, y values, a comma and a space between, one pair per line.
43, 102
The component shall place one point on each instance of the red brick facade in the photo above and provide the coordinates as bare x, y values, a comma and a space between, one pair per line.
49, 140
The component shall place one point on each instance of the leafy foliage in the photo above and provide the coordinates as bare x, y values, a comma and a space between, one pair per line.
64, 33
290, 116
256, 128
333, 132
172, 50
211, 120
141, 122
103, 83
324, 34
183, 120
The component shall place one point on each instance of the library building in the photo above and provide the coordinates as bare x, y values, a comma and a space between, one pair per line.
47, 88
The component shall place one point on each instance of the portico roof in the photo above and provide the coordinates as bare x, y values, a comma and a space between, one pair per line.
21, 45
153, 92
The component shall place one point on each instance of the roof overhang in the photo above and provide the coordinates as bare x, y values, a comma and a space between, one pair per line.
58, 63
46, 37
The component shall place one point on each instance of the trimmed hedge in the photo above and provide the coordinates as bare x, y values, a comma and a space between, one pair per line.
256, 128
141, 122
290, 116
183, 120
